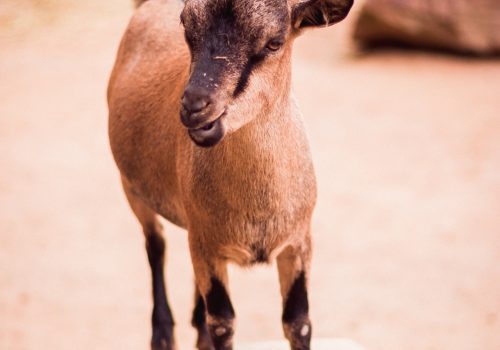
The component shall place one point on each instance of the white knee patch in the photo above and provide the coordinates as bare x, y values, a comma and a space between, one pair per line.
304, 331
220, 331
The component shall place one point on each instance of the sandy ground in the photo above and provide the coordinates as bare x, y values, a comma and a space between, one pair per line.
407, 226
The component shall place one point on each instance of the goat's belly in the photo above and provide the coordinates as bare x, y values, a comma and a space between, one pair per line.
246, 240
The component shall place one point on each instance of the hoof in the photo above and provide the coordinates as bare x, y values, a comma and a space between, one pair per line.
204, 346
162, 345
163, 339
204, 342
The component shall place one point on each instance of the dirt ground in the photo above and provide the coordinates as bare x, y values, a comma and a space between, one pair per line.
407, 226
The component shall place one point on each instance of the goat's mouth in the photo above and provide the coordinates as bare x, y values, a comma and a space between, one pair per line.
209, 134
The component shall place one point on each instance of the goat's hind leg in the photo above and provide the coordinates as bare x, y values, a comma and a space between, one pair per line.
162, 320
293, 268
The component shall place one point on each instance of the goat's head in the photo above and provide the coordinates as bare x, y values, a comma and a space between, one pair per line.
240, 58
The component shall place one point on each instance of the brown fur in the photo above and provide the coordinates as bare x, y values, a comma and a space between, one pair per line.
247, 199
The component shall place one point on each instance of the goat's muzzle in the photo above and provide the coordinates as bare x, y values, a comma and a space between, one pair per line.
202, 117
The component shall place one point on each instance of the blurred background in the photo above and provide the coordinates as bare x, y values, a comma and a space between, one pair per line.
406, 145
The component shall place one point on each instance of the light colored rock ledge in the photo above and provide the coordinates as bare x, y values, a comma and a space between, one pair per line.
317, 344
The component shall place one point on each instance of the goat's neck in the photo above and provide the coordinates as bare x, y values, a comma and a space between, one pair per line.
262, 157
271, 120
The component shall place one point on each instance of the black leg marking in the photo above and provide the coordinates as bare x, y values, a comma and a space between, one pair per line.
199, 322
218, 302
297, 303
199, 314
162, 319
221, 316
295, 315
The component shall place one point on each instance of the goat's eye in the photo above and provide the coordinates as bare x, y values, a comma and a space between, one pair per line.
274, 45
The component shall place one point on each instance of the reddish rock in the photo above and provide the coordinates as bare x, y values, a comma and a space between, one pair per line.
458, 25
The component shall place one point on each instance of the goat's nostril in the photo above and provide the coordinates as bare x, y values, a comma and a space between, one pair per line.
199, 105
194, 103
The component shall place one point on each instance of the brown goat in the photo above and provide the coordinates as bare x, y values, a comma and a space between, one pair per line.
235, 169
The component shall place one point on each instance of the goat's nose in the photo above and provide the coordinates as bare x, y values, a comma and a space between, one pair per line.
195, 100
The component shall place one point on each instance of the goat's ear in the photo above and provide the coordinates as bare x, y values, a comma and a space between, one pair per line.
319, 13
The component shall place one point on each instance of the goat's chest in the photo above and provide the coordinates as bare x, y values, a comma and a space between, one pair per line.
256, 192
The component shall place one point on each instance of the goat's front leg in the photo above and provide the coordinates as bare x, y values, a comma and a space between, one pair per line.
293, 268
199, 321
211, 279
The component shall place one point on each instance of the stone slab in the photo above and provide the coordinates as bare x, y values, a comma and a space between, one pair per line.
317, 344
464, 26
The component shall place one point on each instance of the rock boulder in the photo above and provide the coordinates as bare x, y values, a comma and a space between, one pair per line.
463, 26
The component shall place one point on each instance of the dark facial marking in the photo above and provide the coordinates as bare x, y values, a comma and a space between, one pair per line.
245, 74
227, 31
297, 304
218, 302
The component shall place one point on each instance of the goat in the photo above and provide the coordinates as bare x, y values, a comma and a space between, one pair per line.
235, 170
